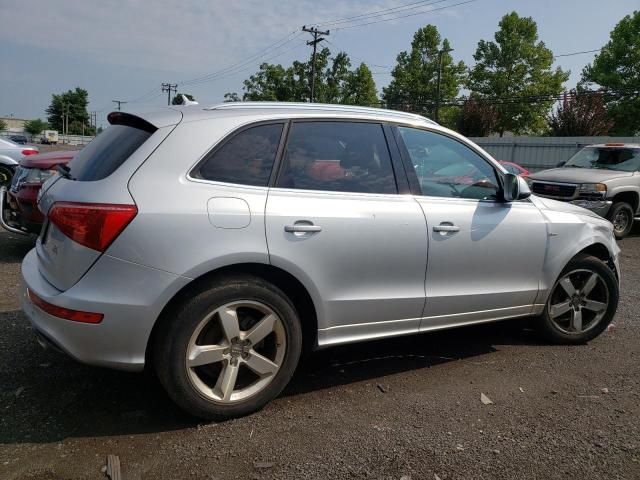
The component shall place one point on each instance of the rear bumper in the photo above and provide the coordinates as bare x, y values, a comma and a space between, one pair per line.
129, 295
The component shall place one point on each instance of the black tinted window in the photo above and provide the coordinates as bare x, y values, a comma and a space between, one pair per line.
107, 152
246, 159
337, 156
448, 168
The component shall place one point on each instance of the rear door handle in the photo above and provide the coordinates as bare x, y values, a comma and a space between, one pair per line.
302, 228
446, 227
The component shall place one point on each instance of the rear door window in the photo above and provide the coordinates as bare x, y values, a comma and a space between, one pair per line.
247, 158
339, 157
107, 152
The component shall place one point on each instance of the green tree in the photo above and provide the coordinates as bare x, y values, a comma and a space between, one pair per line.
231, 97
414, 81
335, 82
477, 118
35, 127
177, 100
515, 73
580, 114
3, 125
616, 69
74, 104
360, 88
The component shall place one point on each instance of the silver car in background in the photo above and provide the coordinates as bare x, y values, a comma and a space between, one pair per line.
215, 245
10, 155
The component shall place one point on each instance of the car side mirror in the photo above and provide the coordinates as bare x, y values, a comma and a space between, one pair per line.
560, 164
515, 188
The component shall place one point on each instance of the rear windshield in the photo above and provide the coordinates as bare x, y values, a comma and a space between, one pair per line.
623, 159
107, 152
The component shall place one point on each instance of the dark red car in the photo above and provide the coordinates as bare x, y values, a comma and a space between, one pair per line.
19, 211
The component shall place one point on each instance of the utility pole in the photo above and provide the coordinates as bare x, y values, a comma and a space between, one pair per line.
316, 40
440, 54
169, 87
119, 102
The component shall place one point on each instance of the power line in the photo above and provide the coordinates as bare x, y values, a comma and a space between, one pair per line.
382, 13
577, 53
358, 58
405, 16
246, 67
271, 48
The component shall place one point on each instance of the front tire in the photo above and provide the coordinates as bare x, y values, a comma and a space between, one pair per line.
621, 215
582, 302
229, 349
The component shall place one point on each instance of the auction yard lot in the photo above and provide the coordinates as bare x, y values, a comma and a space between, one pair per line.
402, 408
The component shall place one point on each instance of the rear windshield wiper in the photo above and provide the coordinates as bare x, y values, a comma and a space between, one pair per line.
64, 171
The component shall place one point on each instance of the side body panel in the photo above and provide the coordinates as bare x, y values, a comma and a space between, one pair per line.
490, 267
367, 263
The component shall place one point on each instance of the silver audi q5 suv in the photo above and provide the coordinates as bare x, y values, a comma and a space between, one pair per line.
215, 245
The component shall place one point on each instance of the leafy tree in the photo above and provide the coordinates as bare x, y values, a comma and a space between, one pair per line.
335, 82
515, 74
35, 127
477, 118
414, 79
360, 88
231, 97
74, 103
177, 100
3, 125
616, 69
273, 83
581, 113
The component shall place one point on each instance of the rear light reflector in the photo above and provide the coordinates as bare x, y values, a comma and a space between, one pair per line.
66, 313
29, 151
94, 225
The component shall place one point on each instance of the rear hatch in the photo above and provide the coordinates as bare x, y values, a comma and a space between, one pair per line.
88, 204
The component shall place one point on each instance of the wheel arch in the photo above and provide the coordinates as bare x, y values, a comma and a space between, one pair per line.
285, 281
630, 197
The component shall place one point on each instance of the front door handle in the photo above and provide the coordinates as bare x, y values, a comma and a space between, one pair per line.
446, 227
302, 228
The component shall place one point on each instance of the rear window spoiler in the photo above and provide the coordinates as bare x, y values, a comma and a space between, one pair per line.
129, 120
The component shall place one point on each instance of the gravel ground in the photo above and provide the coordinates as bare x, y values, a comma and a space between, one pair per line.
406, 408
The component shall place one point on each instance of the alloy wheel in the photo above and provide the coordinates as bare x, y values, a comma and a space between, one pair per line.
236, 351
578, 302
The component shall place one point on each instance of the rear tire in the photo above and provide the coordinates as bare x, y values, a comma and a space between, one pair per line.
621, 215
582, 302
228, 349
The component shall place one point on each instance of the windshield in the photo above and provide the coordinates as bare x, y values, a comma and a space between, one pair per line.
623, 159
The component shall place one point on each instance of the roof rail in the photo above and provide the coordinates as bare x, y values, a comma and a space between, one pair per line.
318, 106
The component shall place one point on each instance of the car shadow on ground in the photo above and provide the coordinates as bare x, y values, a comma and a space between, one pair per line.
15, 246
48, 397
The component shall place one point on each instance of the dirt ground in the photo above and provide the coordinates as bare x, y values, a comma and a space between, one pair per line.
406, 408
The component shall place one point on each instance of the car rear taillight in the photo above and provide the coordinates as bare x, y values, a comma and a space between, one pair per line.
66, 313
94, 225
29, 151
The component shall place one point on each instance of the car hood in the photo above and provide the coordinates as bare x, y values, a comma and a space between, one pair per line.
47, 160
578, 175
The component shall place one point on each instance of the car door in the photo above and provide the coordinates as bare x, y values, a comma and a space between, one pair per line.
336, 221
485, 255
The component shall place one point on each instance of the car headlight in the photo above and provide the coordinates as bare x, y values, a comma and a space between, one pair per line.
593, 188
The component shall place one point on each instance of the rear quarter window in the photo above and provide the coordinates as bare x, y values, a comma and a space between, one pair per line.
246, 158
107, 152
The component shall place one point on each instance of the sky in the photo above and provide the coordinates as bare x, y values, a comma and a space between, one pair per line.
125, 49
